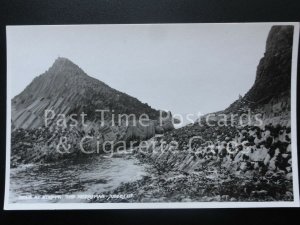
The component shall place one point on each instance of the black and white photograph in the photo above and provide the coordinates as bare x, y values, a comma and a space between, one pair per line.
127, 116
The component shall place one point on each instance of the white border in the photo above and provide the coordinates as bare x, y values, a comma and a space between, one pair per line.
38, 206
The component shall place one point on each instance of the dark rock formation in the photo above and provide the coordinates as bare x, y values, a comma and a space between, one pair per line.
273, 77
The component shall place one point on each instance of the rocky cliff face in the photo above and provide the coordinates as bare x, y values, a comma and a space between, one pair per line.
273, 77
270, 93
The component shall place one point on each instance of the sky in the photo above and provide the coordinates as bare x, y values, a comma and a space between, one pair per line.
184, 68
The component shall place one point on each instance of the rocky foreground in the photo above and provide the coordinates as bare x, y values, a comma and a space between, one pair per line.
257, 169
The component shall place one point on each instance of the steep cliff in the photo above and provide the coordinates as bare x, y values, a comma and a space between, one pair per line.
273, 76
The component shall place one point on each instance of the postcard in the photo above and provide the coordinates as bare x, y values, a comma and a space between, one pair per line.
140, 116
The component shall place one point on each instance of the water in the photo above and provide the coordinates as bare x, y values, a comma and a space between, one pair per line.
82, 176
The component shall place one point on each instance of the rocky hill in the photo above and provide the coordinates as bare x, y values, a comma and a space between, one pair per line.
66, 89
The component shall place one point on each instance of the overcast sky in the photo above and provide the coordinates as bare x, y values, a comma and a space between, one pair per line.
185, 68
